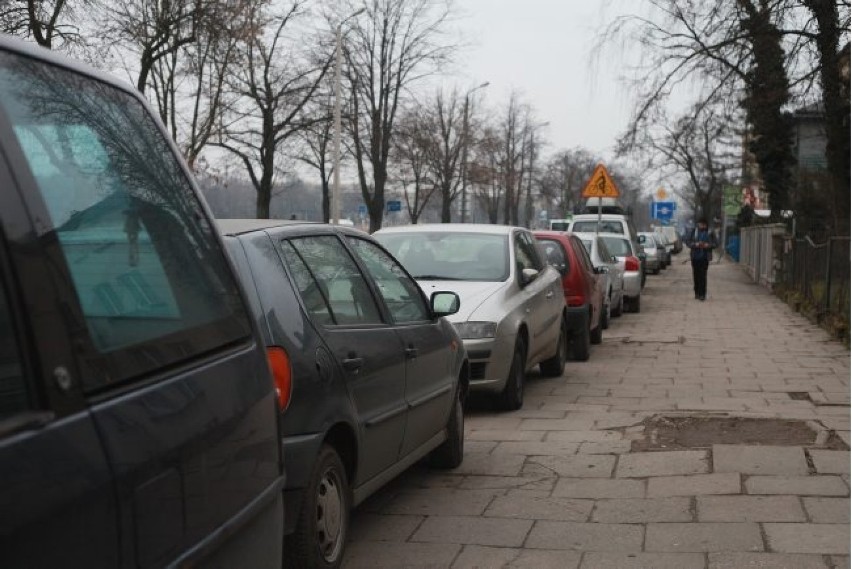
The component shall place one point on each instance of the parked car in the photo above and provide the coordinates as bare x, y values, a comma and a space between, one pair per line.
672, 235
625, 251
668, 245
377, 377
654, 253
583, 286
513, 314
138, 423
607, 263
608, 223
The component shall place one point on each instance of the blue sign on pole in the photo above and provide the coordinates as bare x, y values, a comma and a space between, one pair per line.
362, 209
664, 211
394, 205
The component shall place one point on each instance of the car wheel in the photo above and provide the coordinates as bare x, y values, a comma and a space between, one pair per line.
323, 525
451, 452
656, 271
580, 344
512, 396
619, 310
553, 367
636, 304
605, 314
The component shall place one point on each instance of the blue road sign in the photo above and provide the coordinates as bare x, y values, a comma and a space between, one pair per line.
362, 209
394, 205
663, 210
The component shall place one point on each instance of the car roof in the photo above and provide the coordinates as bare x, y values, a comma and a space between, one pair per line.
240, 226
450, 228
594, 216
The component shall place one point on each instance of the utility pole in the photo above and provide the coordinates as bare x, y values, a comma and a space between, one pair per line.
465, 128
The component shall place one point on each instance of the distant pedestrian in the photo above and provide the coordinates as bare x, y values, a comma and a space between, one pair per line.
701, 243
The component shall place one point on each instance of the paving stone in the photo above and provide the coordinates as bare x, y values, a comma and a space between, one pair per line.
831, 461
840, 562
697, 484
611, 447
507, 482
478, 447
584, 436
749, 509
599, 560
501, 532
479, 557
703, 537
823, 539
499, 436
828, 510
797, 485
374, 527
751, 459
529, 448
576, 466
585, 537
533, 506
641, 465
633, 511
491, 464
599, 488
570, 423
440, 502
365, 555
765, 561
541, 559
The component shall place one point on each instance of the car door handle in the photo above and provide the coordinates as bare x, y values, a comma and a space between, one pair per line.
411, 352
353, 364
549, 294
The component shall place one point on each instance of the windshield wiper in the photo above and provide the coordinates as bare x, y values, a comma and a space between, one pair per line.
436, 278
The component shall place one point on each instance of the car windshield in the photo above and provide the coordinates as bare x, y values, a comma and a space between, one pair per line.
618, 246
440, 255
607, 226
587, 243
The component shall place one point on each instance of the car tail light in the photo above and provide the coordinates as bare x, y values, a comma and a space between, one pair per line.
631, 264
279, 363
573, 286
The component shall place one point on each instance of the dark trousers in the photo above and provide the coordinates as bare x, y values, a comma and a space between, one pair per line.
699, 276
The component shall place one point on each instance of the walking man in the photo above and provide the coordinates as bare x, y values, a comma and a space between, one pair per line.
701, 244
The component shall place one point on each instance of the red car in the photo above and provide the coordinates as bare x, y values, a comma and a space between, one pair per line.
582, 286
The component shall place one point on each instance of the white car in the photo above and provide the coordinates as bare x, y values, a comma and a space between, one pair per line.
628, 259
513, 314
602, 257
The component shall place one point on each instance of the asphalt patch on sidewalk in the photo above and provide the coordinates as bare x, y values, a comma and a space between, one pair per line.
704, 432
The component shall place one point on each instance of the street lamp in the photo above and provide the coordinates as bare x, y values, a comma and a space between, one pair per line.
335, 196
464, 149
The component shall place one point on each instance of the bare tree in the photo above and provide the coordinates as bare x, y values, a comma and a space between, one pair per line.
485, 174
444, 128
391, 46
45, 21
514, 129
275, 83
411, 155
316, 149
564, 177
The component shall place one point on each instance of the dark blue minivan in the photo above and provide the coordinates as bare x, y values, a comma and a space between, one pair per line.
138, 418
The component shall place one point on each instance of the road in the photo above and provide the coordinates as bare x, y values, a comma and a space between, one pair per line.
587, 476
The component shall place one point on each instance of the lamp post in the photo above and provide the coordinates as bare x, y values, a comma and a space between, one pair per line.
464, 149
335, 191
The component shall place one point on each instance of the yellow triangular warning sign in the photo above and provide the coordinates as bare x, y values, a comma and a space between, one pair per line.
600, 185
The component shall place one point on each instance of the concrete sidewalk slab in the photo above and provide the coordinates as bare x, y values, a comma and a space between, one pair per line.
754, 459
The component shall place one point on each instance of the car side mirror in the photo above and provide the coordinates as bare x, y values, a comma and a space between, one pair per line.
444, 303
528, 276
641, 239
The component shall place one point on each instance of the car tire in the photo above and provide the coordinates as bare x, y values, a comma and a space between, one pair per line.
323, 525
581, 343
619, 310
451, 452
656, 271
605, 315
553, 367
636, 304
512, 396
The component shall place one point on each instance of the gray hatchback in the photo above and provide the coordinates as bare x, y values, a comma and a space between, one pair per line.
374, 376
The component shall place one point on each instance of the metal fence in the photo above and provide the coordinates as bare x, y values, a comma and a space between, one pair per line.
820, 272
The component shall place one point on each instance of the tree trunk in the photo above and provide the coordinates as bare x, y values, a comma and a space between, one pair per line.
446, 212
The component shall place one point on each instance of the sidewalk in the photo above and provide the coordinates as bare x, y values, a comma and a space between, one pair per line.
632, 459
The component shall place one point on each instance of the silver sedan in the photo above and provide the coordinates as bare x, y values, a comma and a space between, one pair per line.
512, 314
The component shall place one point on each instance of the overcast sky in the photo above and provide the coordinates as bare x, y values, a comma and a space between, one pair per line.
544, 49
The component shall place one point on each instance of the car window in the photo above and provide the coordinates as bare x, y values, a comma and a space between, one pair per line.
13, 387
606, 226
555, 254
618, 247
314, 295
335, 276
582, 255
587, 244
151, 279
603, 251
445, 255
533, 249
401, 294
